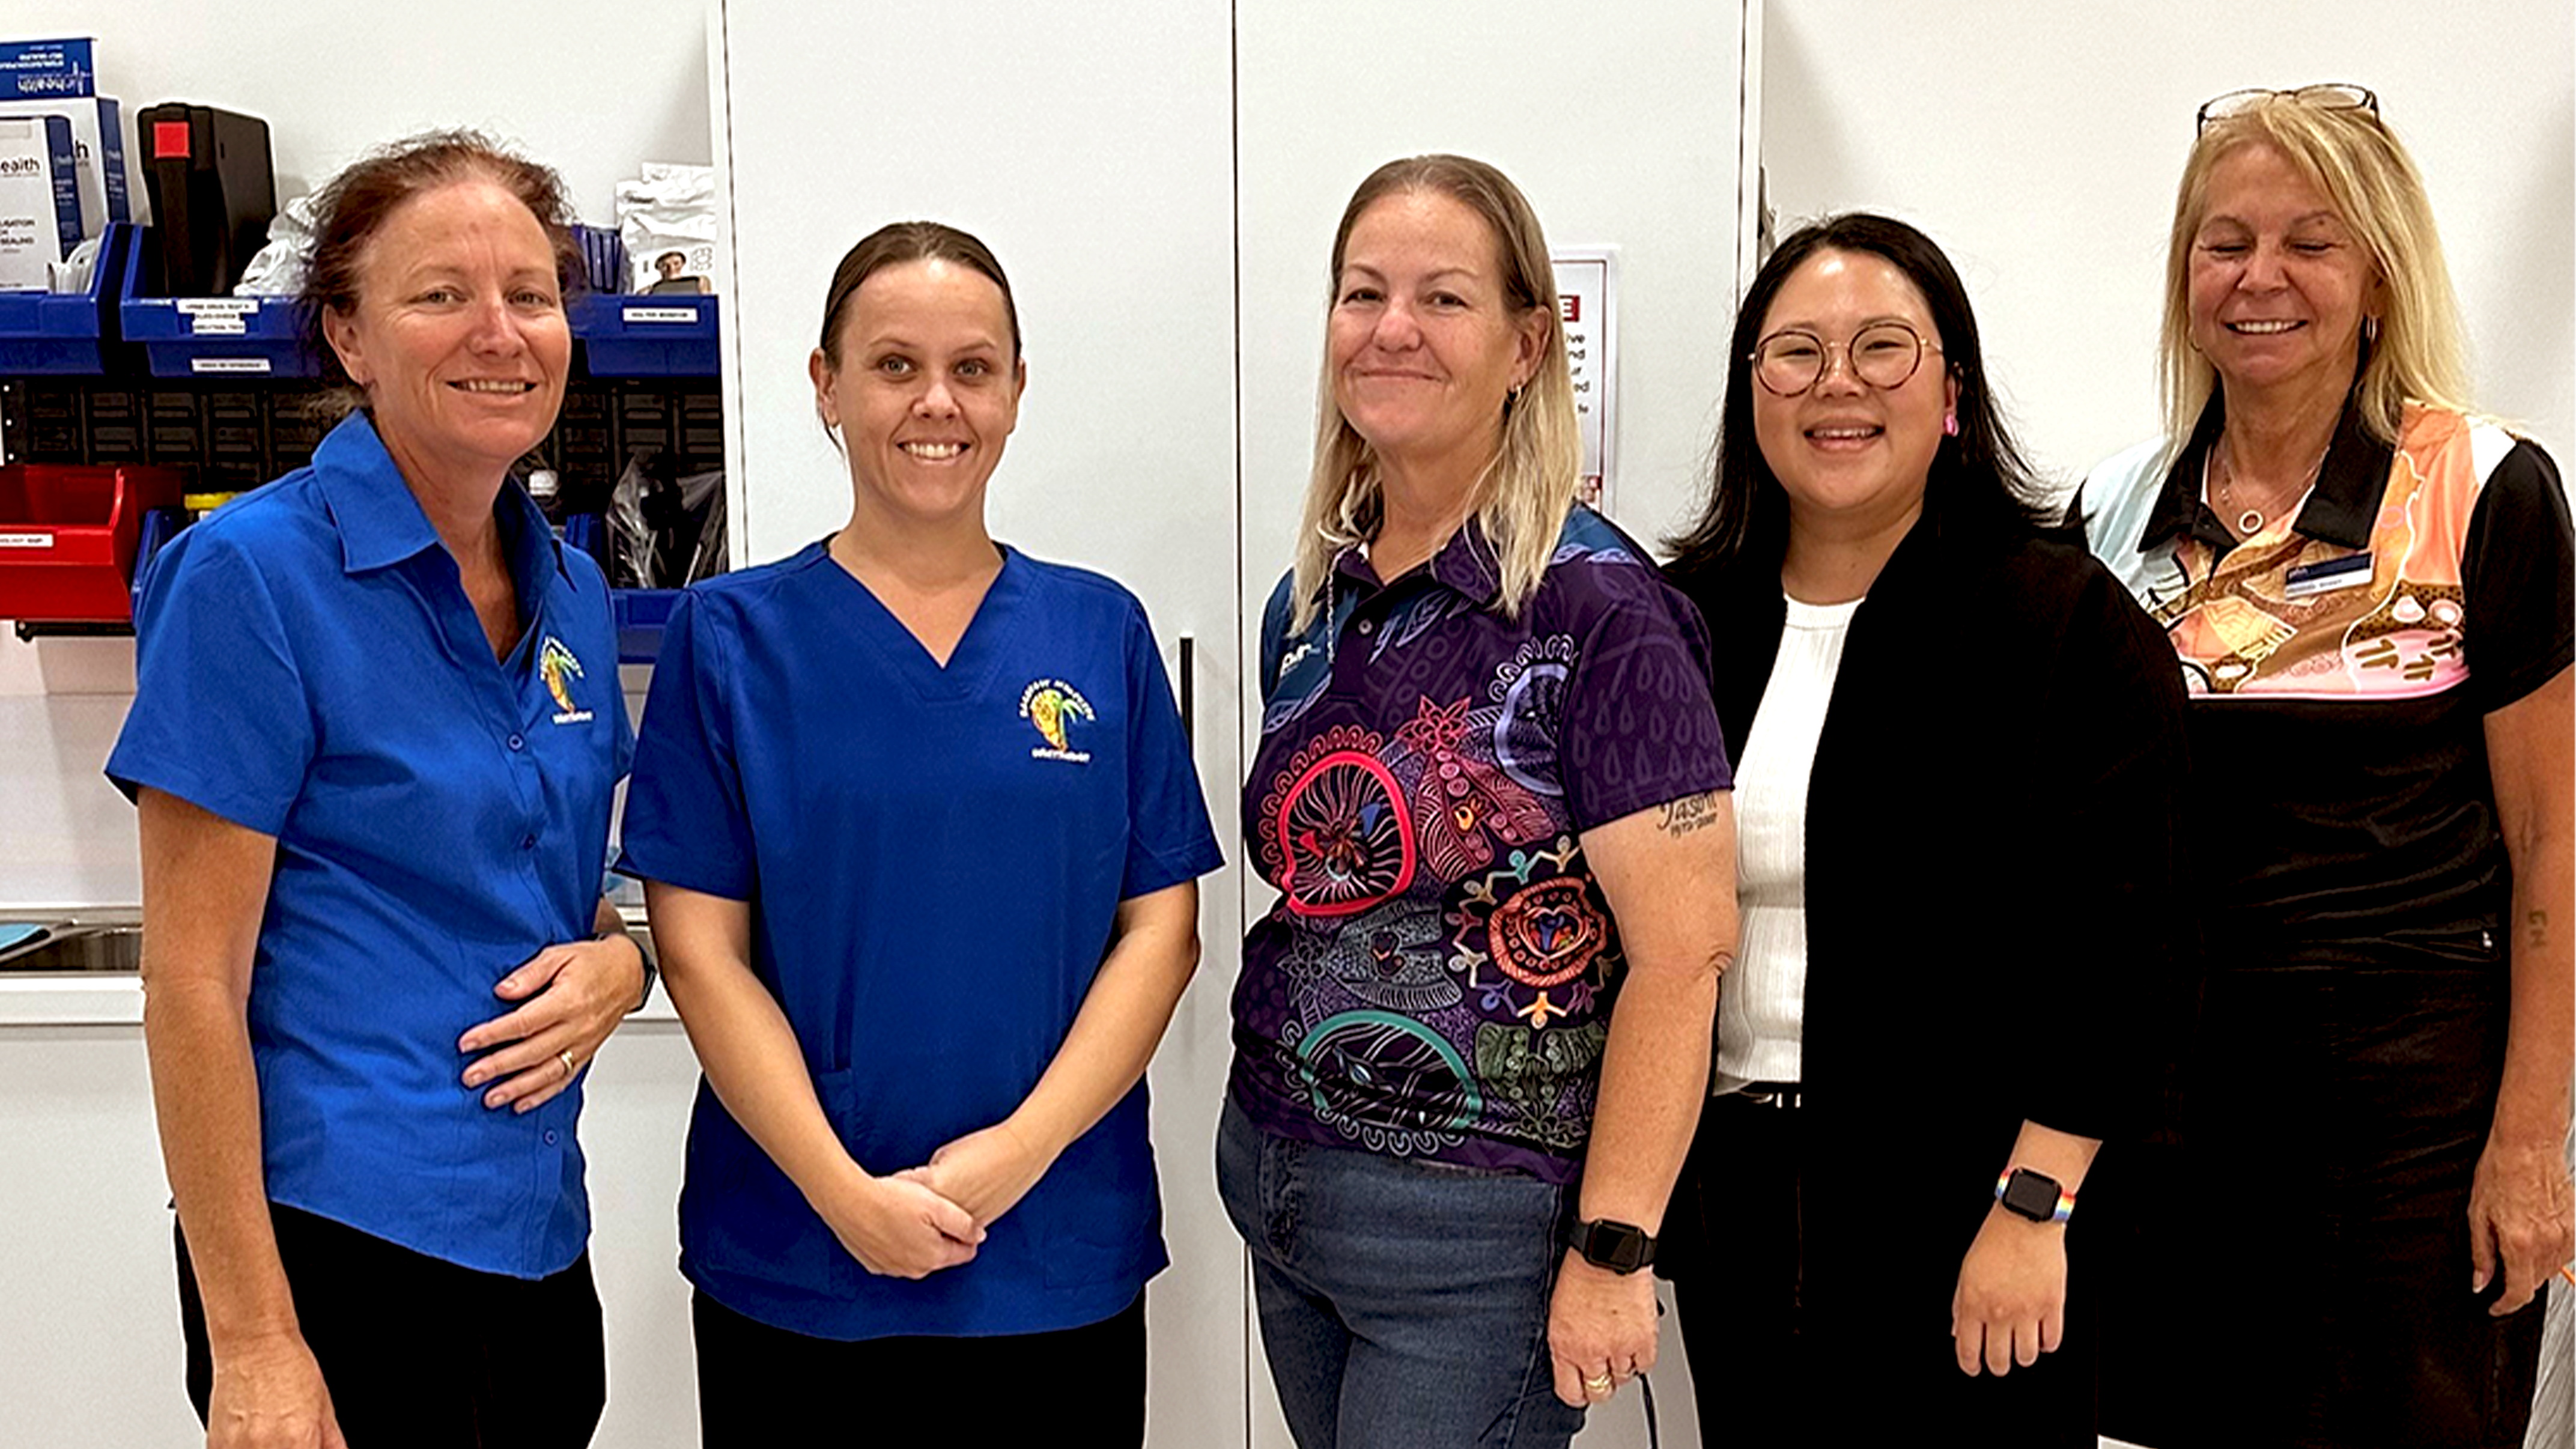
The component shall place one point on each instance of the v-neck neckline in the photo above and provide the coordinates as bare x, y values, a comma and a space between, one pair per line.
970, 664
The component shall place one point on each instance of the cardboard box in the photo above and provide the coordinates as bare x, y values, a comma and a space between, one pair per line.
46, 68
39, 199
98, 154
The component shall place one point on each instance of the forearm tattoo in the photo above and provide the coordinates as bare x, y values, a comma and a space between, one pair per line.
2539, 923
1691, 813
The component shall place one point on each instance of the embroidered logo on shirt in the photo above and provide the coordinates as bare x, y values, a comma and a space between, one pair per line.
555, 663
1053, 705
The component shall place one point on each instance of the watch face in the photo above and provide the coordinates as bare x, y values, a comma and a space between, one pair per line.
2031, 1194
1619, 1247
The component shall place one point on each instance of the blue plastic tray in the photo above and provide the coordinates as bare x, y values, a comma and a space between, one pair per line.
213, 336
641, 613
631, 336
56, 333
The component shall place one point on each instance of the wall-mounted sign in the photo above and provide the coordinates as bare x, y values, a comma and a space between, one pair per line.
1587, 298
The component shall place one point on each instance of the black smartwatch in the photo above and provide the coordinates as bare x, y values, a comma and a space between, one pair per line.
2034, 1195
1622, 1248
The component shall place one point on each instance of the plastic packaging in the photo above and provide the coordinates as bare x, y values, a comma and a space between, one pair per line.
668, 222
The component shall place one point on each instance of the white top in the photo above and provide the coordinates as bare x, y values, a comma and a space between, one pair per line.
1761, 1005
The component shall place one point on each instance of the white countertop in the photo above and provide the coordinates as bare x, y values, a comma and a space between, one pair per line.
115, 998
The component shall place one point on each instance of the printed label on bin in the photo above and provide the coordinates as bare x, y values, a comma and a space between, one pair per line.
228, 364
216, 324
26, 540
660, 314
215, 306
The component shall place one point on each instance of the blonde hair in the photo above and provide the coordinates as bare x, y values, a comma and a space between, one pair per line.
2357, 163
1528, 487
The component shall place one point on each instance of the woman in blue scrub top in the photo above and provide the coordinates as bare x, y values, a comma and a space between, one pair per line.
375, 736
921, 838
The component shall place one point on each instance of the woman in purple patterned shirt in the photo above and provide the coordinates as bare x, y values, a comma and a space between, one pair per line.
1472, 1035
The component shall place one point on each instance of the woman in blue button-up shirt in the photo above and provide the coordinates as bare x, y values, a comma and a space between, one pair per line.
375, 737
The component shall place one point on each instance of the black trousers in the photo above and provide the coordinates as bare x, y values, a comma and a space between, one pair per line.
1810, 1311
2317, 1203
1078, 1388
418, 1351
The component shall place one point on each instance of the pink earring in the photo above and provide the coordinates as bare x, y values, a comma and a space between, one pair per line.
1949, 425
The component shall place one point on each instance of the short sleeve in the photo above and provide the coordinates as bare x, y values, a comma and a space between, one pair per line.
2516, 571
221, 717
686, 820
1168, 836
1640, 728
1274, 633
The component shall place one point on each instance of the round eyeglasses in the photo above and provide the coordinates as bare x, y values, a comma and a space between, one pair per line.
1882, 354
2326, 96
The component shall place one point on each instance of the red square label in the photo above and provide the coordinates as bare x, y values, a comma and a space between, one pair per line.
169, 140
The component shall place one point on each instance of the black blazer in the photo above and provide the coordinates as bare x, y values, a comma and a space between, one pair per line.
1994, 927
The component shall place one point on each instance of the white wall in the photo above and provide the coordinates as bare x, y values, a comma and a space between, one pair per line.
2040, 143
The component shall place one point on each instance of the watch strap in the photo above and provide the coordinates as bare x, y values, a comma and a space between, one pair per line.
1616, 1246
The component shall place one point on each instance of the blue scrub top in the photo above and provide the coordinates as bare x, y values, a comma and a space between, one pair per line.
933, 859
308, 666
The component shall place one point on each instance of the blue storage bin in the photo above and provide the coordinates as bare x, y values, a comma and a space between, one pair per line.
56, 333
641, 613
630, 336
213, 336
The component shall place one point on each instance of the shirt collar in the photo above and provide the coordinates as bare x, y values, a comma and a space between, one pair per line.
381, 523
2339, 509
1466, 565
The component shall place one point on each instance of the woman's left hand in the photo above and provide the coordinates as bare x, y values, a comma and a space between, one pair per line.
2520, 1219
1600, 1325
2010, 1306
571, 995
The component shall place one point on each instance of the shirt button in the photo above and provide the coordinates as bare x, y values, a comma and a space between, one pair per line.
527, 842
518, 743
550, 1137
1368, 626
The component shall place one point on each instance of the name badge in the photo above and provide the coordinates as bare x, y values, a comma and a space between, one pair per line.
2309, 580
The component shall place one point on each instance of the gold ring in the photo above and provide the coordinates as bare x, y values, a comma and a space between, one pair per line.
570, 1071
1600, 1384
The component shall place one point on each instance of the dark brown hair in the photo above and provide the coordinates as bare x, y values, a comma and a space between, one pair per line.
909, 241
354, 204
1978, 476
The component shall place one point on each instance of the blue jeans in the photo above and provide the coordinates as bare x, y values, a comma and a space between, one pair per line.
1403, 1303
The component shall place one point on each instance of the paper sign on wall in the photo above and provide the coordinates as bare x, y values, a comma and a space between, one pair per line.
1587, 298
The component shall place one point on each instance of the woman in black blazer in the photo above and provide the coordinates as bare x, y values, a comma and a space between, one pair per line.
1958, 751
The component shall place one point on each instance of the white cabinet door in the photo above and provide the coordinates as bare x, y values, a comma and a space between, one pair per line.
1088, 145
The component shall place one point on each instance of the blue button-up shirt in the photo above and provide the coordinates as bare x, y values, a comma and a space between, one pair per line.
309, 666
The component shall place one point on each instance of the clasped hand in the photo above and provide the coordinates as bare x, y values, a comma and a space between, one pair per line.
913, 1223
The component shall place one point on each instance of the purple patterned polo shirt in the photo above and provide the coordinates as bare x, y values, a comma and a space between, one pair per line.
1437, 978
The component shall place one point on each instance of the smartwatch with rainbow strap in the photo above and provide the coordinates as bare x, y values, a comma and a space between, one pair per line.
2034, 1195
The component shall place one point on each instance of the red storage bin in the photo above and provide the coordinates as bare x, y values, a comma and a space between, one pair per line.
67, 538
